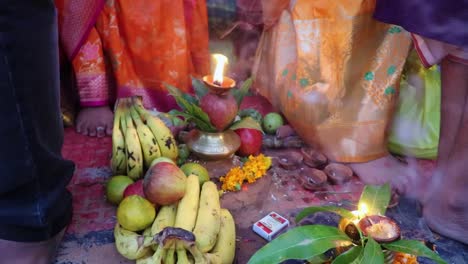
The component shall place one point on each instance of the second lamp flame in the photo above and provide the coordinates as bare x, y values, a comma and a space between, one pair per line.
221, 60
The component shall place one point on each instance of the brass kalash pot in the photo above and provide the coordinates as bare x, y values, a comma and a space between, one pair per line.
214, 145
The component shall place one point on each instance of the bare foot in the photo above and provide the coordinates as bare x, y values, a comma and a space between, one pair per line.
403, 177
446, 207
95, 121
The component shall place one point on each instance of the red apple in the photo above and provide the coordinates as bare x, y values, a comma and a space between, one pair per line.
251, 141
135, 188
221, 109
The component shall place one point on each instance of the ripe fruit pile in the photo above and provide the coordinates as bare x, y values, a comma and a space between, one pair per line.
138, 138
193, 230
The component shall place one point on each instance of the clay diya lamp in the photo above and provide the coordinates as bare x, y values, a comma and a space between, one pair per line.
381, 228
313, 158
219, 87
349, 227
312, 179
290, 160
338, 173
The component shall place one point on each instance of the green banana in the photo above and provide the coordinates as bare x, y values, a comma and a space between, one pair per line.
156, 258
119, 160
170, 256
130, 244
149, 145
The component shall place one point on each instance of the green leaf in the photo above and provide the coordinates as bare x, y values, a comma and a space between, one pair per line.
190, 99
372, 253
246, 122
240, 93
174, 91
314, 209
348, 256
376, 198
304, 242
414, 247
199, 87
252, 113
191, 111
202, 125
178, 96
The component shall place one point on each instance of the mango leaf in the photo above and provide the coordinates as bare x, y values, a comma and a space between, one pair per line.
304, 242
320, 259
349, 256
199, 87
240, 93
252, 113
178, 96
200, 124
190, 99
191, 111
376, 198
372, 253
314, 209
246, 122
414, 247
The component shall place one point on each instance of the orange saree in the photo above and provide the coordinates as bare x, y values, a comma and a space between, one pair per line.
134, 47
333, 71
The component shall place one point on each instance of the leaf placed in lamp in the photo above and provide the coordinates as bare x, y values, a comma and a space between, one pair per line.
333, 209
349, 256
199, 123
252, 113
372, 253
376, 199
246, 122
199, 87
304, 242
240, 93
415, 248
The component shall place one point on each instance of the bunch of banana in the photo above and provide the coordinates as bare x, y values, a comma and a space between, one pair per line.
194, 230
138, 138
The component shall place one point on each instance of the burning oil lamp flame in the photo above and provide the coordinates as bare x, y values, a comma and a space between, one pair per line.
218, 83
360, 213
221, 60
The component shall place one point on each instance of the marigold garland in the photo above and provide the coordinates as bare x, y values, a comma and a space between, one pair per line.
253, 169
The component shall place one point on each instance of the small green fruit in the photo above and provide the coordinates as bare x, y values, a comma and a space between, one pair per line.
271, 122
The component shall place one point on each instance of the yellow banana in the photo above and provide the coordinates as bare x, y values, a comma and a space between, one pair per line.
133, 148
161, 132
225, 246
119, 160
208, 220
187, 212
130, 244
149, 145
188, 205
165, 218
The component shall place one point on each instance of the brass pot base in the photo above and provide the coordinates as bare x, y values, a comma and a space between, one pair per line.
213, 146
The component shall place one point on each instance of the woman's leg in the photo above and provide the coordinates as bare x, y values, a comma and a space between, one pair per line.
446, 206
